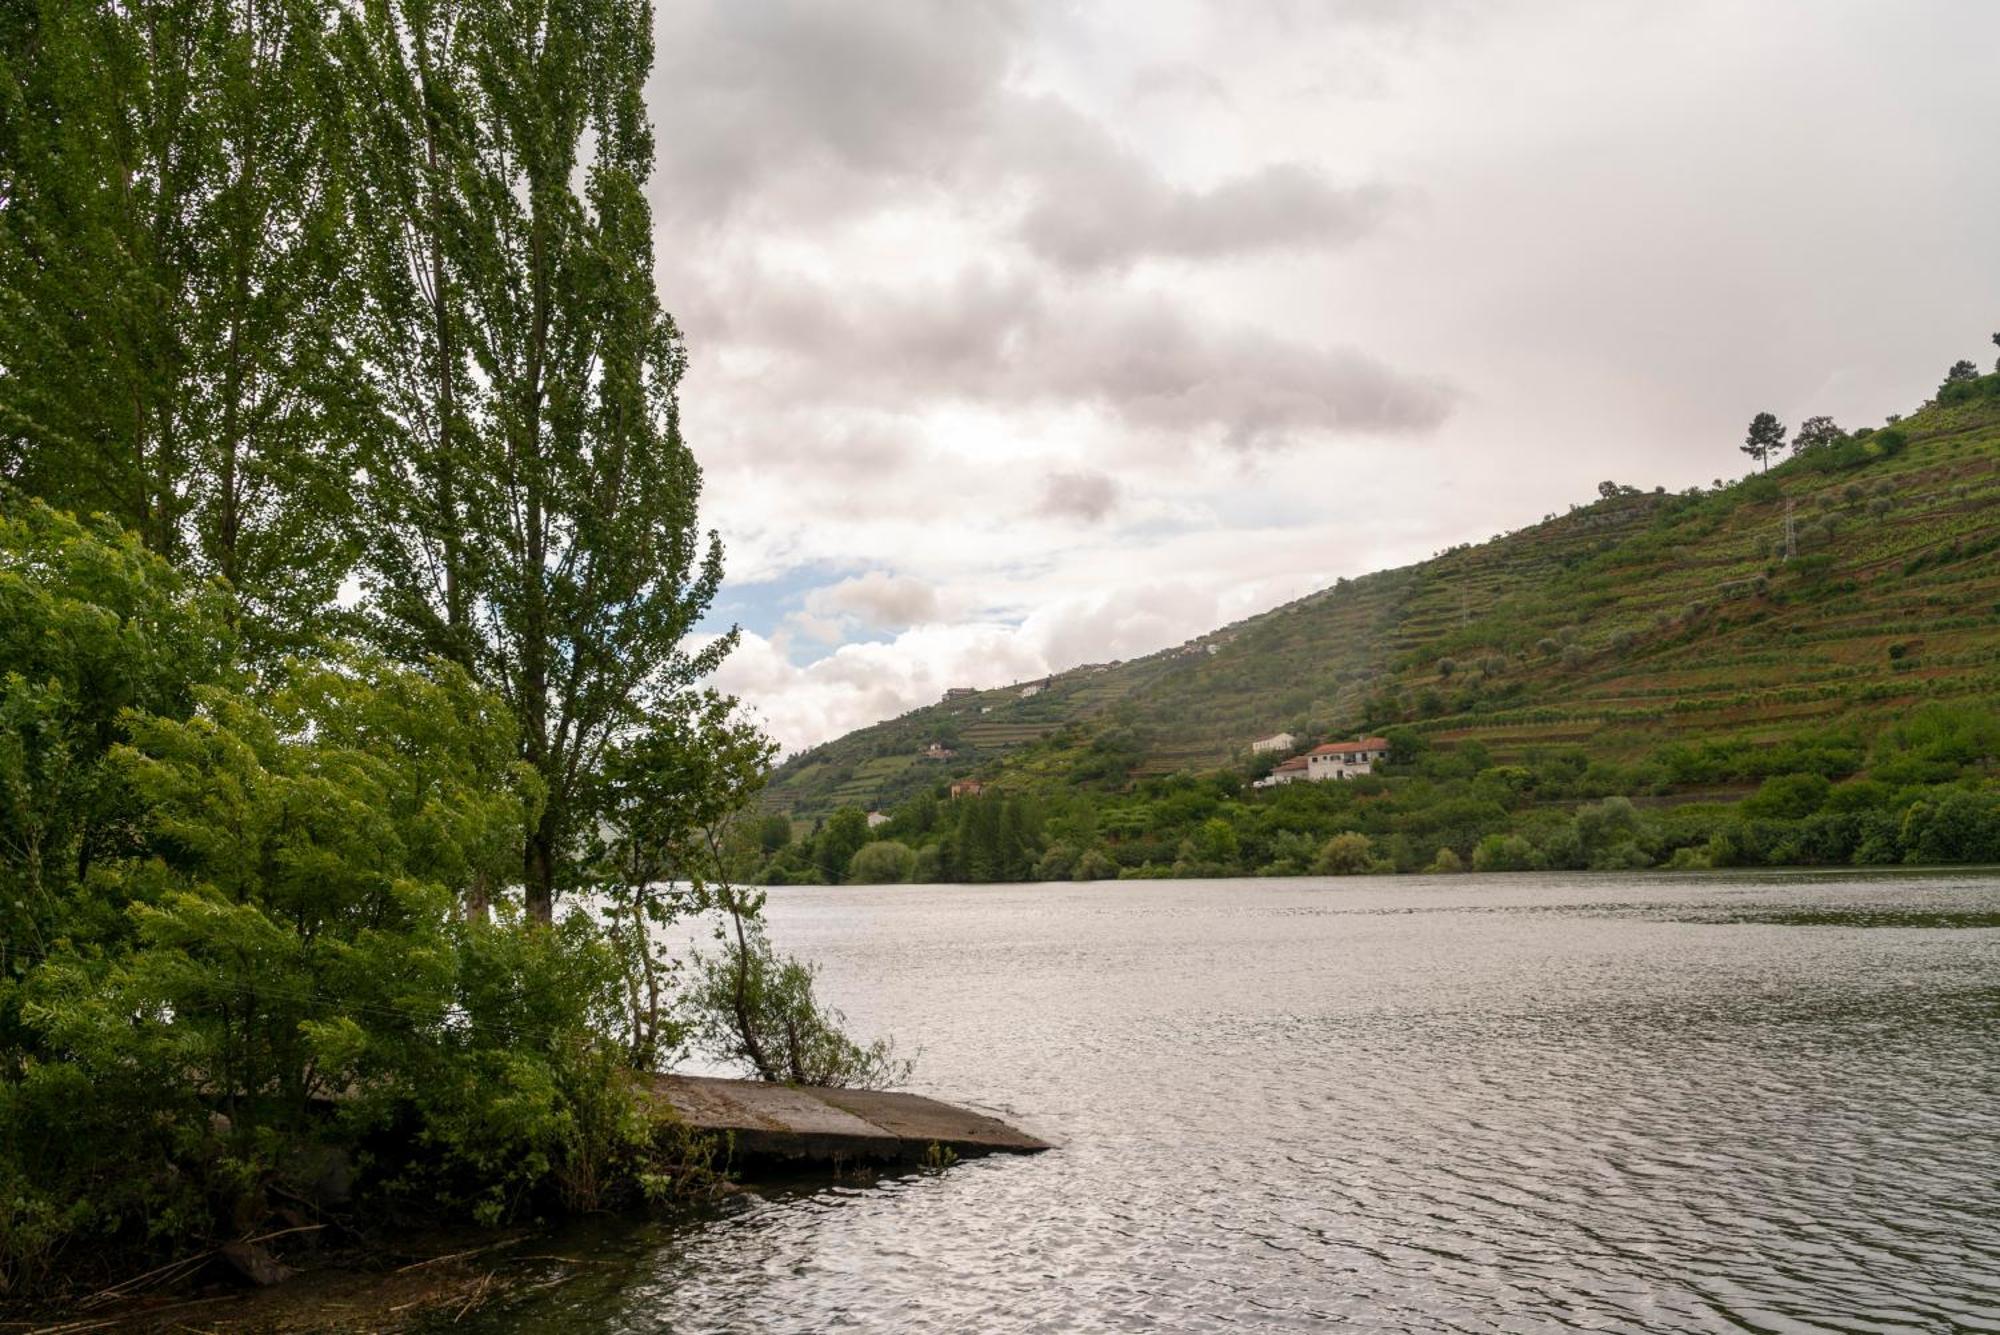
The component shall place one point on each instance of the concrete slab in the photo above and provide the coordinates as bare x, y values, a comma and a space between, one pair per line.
803, 1126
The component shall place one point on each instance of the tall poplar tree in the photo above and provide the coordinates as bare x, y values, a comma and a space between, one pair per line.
532, 505
171, 287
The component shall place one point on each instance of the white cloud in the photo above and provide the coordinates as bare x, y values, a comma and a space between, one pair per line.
1054, 334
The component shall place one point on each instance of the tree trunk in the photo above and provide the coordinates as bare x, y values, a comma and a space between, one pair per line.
538, 872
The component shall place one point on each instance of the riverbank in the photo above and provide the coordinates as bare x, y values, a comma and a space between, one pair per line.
330, 1276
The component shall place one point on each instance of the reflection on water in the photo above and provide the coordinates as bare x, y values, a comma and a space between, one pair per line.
1660, 1104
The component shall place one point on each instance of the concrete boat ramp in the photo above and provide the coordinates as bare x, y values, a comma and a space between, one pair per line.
806, 1127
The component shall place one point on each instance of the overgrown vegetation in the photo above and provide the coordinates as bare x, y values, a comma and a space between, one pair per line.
352, 755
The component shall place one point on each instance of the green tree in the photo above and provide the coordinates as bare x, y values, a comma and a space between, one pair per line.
1816, 433
91, 626
533, 505
845, 831
670, 798
222, 909
1766, 437
774, 832
172, 288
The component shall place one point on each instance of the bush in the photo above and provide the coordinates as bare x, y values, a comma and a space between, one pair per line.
259, 961
1789, 796
885, 862
1095, 865
756, 1009
1346, 854
1506, 852
1957, 827
1447, 861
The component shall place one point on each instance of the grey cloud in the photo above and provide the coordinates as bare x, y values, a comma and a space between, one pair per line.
1083, 495
1118, 210
749, 93
792, 112
994, 338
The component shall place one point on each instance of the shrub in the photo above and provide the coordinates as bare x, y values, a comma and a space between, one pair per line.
1346, 854
1506, 852
1789, 796
1447, 861
1957, 827
267, 949
754, 1008
890, 862
1095, 865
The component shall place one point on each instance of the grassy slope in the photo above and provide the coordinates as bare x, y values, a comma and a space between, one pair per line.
1688, 629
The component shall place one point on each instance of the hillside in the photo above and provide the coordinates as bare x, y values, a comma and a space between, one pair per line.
1628, 625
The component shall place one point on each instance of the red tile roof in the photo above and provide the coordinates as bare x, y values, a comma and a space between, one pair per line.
1350, 748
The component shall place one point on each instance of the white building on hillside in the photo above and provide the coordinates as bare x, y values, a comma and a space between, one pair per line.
1345, 760
1290, 771
1277, 741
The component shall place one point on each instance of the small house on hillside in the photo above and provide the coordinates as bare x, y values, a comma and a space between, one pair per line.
966, 788
877, 818
1345, 760
959, 692
1277, 741
938, 751
1290, 771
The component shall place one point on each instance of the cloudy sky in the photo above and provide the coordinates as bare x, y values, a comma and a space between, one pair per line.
1026, 335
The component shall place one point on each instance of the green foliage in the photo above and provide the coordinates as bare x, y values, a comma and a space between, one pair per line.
669, 846
243, 945
1346, 855
1765, 438
174, 285
751, 1007
532, 509
886, 862
1506, 852
837, 842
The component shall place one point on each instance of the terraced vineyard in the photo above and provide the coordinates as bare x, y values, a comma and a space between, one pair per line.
1636, 621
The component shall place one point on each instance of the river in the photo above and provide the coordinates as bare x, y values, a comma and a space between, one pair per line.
1520, 1103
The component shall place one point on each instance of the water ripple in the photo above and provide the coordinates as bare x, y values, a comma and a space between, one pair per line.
1528, 1105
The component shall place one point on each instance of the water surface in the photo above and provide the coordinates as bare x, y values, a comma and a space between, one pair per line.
1454, 1104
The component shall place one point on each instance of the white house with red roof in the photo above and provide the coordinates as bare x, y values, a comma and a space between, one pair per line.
1345, 760
1288, 771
